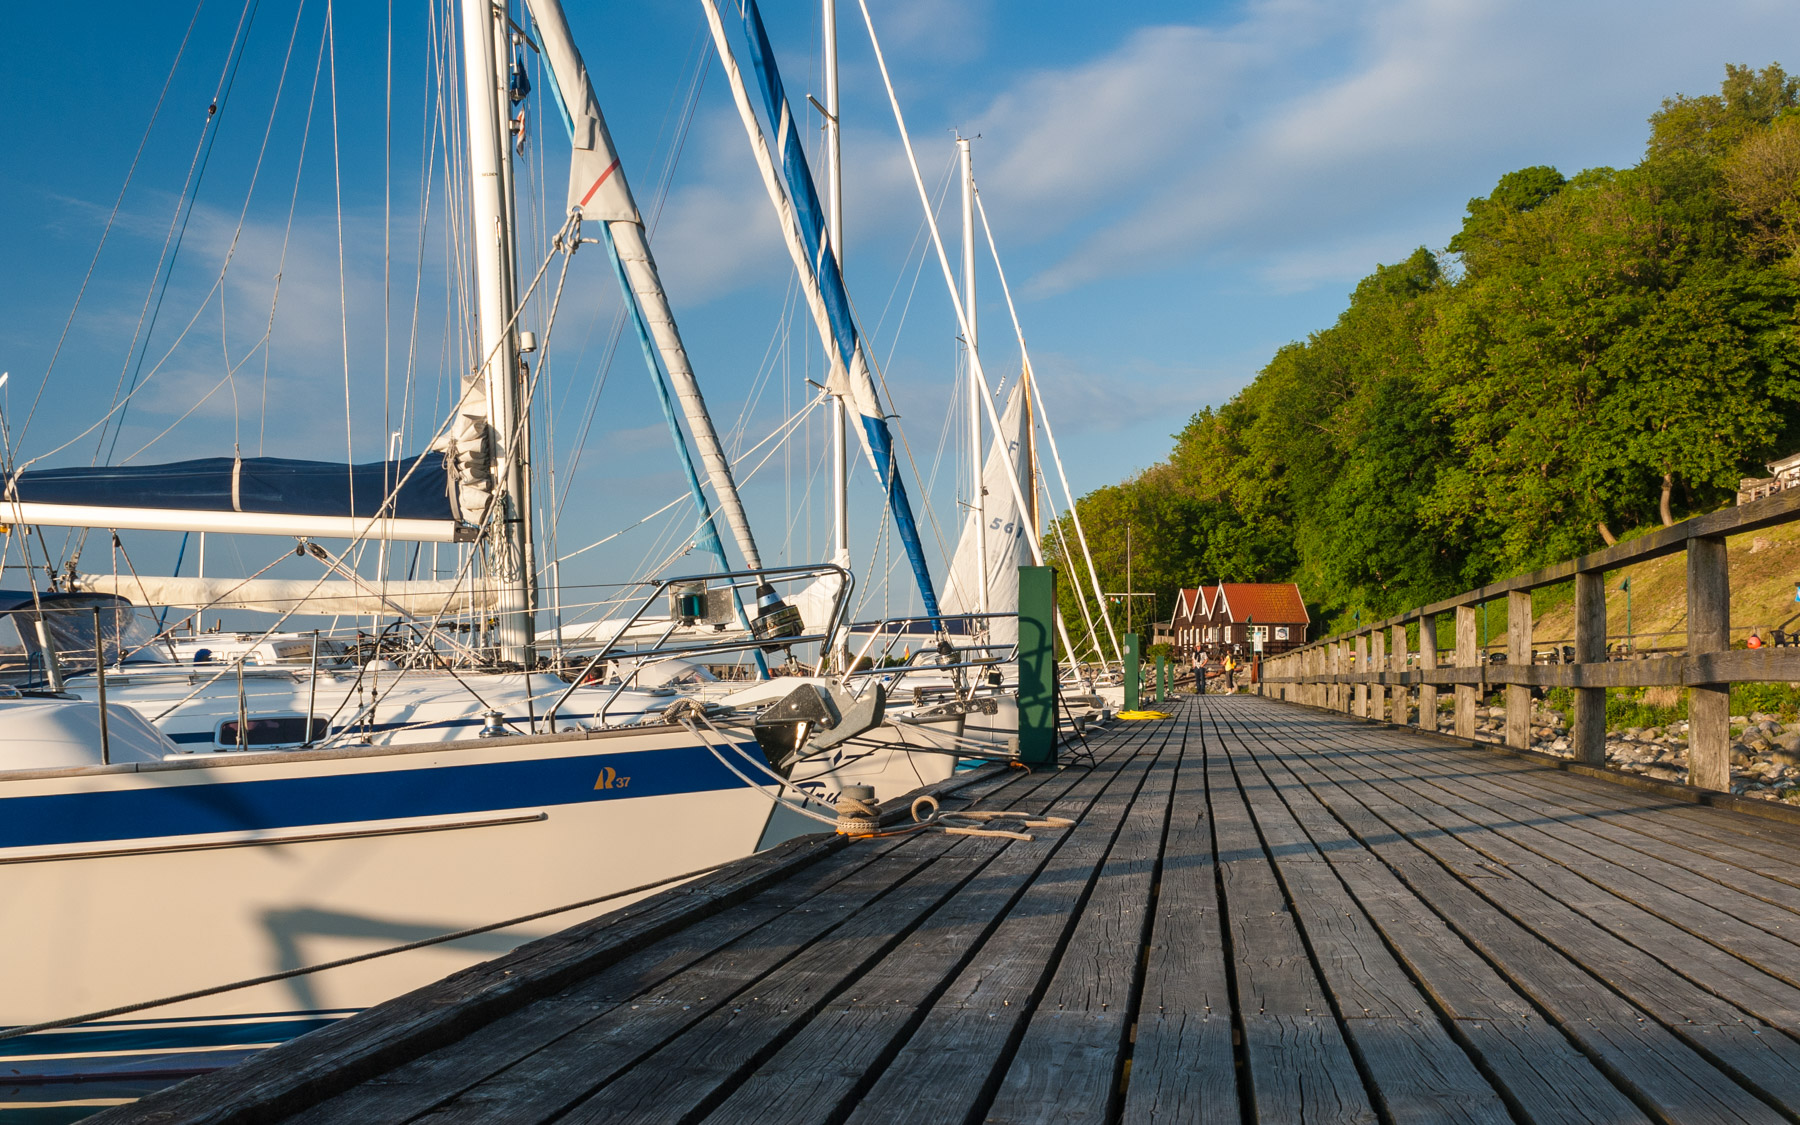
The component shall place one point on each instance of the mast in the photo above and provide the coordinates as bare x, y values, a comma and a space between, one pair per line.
977, 492
490, 157
834, 225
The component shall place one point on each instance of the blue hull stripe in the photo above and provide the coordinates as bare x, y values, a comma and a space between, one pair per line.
248, 806
188, 1035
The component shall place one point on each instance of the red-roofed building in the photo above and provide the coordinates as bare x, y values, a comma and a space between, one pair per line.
1272, 611
1237, 613
1193, 610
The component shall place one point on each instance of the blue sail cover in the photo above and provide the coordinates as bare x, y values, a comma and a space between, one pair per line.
810, 216
267, 485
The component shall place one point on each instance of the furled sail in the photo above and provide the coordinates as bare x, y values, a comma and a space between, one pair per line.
409, 499
1007, 531
599, 190
415, 598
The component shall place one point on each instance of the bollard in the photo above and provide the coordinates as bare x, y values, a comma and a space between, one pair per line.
1162, 679
1037, 666
1132, 672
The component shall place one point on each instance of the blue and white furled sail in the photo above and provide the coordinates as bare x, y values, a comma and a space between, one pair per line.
409, 499
803, 225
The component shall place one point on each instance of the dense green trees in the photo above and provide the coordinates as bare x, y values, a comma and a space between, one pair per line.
1589, 355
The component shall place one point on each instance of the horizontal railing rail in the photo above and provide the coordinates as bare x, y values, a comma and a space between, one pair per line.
1371, 671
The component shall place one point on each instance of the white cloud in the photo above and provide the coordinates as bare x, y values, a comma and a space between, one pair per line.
1293, 132
1080, 399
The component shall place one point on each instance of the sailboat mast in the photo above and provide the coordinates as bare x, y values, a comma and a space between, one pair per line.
490, 210
834, 219
977, 497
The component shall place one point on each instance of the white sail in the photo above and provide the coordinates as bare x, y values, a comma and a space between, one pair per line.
1007, 536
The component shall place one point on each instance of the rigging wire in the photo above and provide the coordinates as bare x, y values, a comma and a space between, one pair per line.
678, 145
190, 193
111, 219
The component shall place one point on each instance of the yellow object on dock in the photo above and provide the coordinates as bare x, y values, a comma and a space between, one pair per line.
1142, 715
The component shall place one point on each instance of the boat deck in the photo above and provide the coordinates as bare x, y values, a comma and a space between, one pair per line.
1263, 912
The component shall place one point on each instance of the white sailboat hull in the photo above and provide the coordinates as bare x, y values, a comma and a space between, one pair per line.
128, 883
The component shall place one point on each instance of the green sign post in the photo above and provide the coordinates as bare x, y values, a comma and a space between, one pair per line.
1037, 666
1133, 671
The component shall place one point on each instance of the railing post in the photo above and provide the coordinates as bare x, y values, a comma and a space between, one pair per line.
1518, 652
1378, 664
1398, 697
1359, 705
1589, 741
1467, 656
1340, 699
1428, 660
1709, 630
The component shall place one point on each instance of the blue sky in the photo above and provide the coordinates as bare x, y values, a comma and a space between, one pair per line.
1178, 189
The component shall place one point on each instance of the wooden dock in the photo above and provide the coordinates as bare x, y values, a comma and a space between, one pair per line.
1264, 912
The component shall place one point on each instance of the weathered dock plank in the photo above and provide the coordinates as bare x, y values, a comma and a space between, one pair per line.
1262, 912
950, 1066
1416, 1067
1534, 1067
1659, 1066
1182, 1064
1067, 1066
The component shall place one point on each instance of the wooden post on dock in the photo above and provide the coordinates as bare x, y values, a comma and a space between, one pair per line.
1467, 656
1428, 659
1378, 663
1518, 654
1162, 677
1037, 665
1360, 702
1398, 697
1589, 733
1709, 630
1133, 671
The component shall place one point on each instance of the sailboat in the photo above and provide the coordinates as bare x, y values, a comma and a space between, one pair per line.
333, 810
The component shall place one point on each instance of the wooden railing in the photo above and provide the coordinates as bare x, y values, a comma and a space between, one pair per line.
1375, 684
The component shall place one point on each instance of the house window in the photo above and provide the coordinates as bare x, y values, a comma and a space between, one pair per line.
1259, 632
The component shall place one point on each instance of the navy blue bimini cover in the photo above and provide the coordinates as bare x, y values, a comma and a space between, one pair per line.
271, 485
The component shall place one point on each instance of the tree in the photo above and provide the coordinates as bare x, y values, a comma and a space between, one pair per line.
1605, 342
